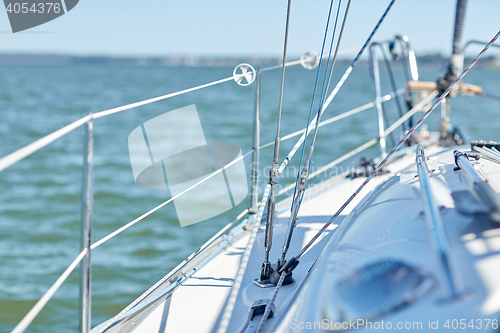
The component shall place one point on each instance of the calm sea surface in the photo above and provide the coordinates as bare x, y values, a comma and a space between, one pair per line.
40, 196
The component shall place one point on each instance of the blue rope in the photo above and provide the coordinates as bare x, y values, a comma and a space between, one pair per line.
316, 85
358, 56
323, 92
323, 89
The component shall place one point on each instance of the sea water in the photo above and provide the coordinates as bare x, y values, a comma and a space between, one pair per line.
40, 196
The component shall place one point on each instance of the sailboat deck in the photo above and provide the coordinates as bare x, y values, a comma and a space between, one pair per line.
196, 305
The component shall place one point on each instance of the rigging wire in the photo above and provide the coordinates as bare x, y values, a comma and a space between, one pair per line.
317, 78
274, 173
277, 144
374, 172
337, 87
302, 175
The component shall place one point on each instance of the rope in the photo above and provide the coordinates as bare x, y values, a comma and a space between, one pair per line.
350, 68
282, 167
323, 93
303, 171
326, 122
322, 107
24, 152
78, 123
319, 69
382, 163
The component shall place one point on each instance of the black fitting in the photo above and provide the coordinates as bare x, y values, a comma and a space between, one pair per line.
445, 81
258, 308
457, 154
289, 266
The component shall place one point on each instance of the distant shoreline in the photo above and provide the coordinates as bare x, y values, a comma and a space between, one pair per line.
189, 61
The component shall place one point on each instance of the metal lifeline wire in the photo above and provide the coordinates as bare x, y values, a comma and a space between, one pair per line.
33, 147
382, 163
128, 225
26, 151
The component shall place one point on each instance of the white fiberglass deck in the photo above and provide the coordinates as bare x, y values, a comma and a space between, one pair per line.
196, 305
394, 211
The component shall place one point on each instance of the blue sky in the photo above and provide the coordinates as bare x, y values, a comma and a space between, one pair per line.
237, 27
